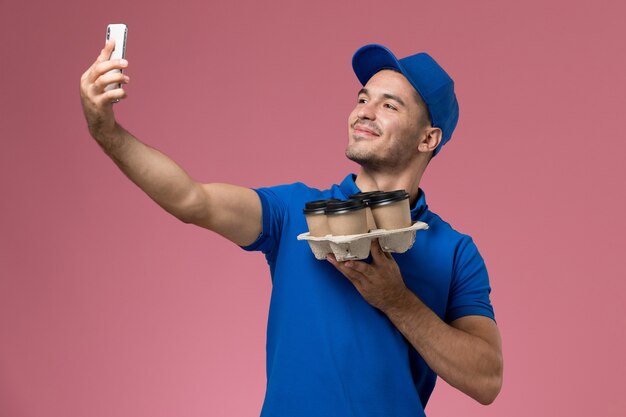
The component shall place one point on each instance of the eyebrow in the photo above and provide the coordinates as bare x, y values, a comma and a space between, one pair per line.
386, 95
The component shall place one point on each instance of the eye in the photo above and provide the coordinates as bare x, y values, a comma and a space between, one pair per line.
390, 106
361, 100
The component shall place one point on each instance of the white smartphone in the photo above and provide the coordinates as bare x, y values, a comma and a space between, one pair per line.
119, 32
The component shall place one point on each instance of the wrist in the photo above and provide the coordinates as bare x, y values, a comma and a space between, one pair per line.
110, 139
399, 304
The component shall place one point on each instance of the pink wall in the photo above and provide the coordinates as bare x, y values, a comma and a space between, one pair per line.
108, 306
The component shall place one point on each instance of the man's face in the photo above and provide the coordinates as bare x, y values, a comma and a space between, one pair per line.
385, 126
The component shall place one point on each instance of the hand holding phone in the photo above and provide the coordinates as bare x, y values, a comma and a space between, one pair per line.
119, 33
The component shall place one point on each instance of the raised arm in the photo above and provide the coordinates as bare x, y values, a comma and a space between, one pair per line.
233, 212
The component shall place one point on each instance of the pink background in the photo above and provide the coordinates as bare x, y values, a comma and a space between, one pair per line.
110, 307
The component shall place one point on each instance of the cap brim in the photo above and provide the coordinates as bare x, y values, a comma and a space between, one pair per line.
370, 59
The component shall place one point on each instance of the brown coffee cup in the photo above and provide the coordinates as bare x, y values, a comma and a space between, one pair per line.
391, 210
315, 215
365, 197
346, 217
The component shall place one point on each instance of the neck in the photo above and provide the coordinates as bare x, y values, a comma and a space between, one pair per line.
407, 179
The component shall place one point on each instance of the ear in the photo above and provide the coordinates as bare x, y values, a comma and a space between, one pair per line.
430, 140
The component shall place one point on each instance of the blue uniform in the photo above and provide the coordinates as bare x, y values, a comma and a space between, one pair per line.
329, 352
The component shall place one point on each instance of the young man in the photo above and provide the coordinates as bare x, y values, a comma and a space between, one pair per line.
344, 338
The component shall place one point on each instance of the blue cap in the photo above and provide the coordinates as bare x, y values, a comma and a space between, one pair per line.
432, 83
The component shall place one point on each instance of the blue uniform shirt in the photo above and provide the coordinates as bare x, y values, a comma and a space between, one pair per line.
329, 352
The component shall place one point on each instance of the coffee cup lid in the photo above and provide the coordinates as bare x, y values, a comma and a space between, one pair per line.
339, 207
386, 197
364, 196
317, 206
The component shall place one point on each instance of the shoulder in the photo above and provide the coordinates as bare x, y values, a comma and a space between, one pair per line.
458, 247
442, 230
296, 193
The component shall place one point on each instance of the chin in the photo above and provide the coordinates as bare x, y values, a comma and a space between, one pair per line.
364, 159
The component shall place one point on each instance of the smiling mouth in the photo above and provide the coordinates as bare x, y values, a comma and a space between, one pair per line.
362, 130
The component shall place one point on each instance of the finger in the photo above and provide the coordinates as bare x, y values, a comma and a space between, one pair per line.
384, 253
106, 66
378, 254
110, 78
354, 276
113, 96
100, 68
105, 53
361, 267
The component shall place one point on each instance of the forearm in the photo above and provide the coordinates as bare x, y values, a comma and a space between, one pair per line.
156, 174
465, 361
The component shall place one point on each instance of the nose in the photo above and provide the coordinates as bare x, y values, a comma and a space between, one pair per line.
366, 112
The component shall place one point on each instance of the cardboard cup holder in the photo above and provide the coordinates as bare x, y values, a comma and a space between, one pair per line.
355, 247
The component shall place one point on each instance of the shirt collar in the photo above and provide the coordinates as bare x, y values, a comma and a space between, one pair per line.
348, 187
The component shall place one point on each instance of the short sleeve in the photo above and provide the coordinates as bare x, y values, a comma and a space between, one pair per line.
274, 210
470, 289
